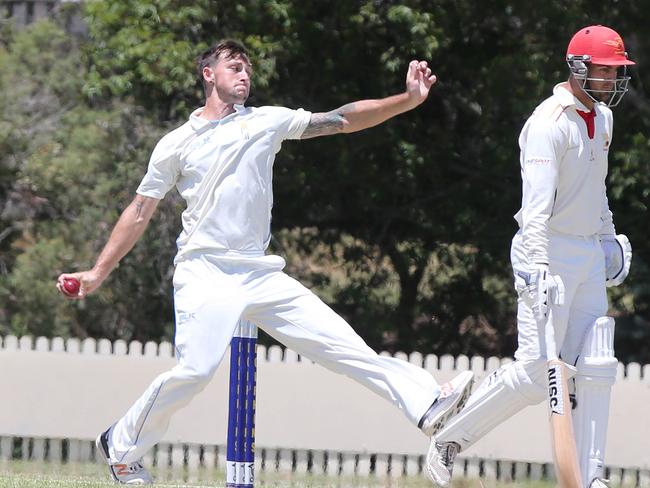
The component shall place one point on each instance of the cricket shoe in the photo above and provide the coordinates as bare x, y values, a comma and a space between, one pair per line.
451, 400
440, 462
599, 483
124, 473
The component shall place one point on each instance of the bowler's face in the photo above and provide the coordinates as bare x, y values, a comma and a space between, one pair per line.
233, 78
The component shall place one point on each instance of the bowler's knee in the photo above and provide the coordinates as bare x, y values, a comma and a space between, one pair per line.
196, 376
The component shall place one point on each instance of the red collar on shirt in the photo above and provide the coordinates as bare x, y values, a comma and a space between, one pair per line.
588, 117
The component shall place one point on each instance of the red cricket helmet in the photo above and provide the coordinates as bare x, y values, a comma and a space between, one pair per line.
600, 45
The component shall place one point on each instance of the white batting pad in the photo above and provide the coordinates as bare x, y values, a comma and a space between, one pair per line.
596, 375
501, 395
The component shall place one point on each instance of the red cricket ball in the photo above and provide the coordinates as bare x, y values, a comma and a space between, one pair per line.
71, 286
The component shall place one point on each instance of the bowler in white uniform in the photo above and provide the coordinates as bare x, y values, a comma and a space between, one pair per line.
221, 162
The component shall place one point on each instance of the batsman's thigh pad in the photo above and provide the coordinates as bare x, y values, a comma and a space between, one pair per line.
596, 374
501, 395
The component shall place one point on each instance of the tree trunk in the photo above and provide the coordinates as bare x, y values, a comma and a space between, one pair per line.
410, 270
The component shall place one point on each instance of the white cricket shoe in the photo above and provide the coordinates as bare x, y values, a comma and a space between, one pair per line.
599, 483
124, 473
451, 400
440, 462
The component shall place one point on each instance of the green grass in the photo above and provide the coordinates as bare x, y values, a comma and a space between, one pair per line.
21, 474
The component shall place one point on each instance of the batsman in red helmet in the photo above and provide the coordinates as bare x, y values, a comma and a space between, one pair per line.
564, 255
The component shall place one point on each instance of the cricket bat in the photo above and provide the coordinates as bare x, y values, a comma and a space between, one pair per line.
563, 444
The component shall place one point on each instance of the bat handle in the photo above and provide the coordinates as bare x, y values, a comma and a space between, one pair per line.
549, 337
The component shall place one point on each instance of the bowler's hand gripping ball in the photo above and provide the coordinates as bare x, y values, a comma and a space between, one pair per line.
71, 286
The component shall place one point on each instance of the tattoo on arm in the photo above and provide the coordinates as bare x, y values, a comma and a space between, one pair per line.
327, 123
139, 204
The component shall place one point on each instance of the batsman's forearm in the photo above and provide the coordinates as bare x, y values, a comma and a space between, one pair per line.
130, 226
368, 113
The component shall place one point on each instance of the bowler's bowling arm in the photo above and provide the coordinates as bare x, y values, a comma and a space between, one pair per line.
128, 229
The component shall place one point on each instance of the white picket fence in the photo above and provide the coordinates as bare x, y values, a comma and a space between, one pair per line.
57, 394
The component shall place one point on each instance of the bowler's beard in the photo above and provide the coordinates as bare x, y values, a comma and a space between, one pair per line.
239, 97
234, 96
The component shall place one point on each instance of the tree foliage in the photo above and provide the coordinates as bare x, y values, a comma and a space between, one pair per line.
404, 228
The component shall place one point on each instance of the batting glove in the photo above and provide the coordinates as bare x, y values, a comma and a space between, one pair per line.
539, 289
618, 258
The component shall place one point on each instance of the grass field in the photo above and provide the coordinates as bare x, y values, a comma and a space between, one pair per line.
20, 474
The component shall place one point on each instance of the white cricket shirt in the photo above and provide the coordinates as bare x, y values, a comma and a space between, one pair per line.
563, 173
223, 170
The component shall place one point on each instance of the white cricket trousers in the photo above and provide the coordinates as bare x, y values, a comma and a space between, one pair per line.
580, 262
211, 294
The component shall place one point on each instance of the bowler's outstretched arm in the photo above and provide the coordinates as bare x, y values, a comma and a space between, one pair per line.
363, 114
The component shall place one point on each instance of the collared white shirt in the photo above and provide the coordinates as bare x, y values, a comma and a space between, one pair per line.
563, 173
223, 170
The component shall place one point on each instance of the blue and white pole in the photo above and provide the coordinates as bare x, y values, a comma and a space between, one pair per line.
240, 451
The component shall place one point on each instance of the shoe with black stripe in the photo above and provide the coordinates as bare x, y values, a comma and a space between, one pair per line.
451, 400
124, 473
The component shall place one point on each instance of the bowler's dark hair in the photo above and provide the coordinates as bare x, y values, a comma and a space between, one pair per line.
229, 47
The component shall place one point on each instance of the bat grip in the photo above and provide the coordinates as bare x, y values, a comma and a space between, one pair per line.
549, 337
